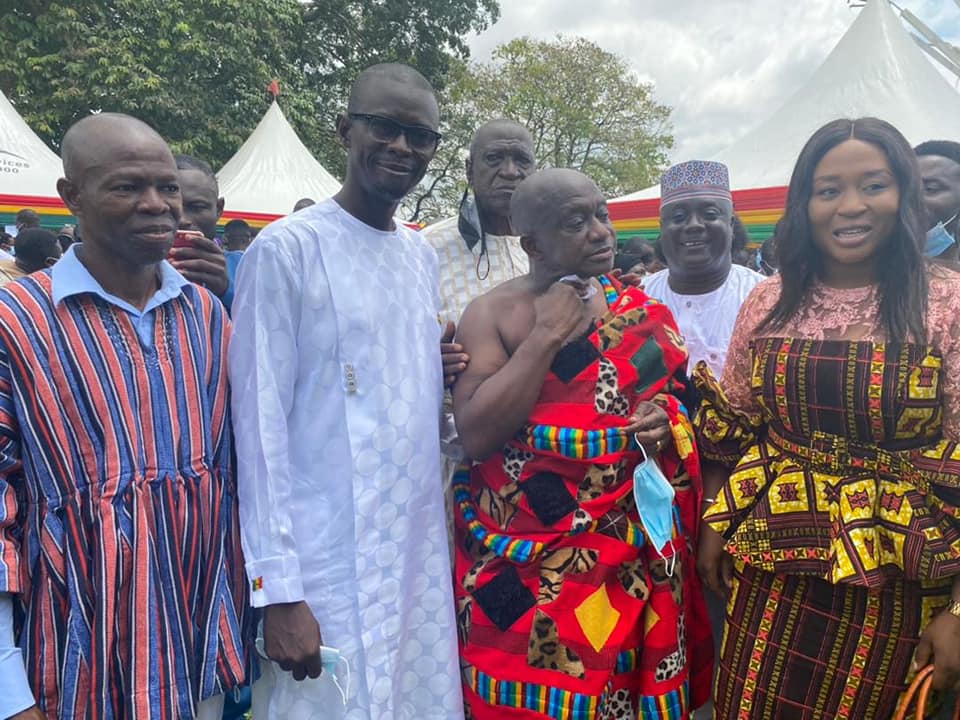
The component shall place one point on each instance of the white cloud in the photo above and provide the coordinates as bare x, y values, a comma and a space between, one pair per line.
722, 65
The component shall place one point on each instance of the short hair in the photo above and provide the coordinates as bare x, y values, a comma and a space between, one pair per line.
940, 148
236, 224
481, 132
81, 140
303, 203
397, 72
28, 217
639, 245
189, 162
34, 246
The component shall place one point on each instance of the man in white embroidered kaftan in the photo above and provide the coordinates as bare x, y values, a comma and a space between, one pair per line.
338, 387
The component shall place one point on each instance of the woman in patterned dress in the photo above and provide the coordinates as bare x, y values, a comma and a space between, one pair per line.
833, 493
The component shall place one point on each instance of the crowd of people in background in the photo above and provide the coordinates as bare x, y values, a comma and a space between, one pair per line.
501, 468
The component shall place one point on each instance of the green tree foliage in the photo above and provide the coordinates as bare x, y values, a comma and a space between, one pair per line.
197, 70
346, 36
585, 107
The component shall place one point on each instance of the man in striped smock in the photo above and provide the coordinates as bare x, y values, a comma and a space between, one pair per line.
121, 580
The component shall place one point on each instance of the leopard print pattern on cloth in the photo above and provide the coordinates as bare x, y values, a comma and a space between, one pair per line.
608, 399
597, 481
558, 563
611, 333
674, 663
618, 706
547, 652
633, 579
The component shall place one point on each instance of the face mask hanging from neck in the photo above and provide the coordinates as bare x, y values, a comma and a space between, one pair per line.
938, 239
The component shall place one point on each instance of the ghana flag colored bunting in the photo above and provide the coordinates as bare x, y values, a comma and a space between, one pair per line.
758, 209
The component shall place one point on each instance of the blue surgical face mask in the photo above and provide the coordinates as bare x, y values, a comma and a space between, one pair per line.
330, 659
938, 239
654, 495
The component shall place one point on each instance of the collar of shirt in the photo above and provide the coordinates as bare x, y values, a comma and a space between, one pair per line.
70, 277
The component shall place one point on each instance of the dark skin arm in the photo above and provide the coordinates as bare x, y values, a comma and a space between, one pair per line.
494, 396
714, 564
940, 645
203, 264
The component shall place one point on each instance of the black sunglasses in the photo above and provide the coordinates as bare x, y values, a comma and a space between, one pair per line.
384, 129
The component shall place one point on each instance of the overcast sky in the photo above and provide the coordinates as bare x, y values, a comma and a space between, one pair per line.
722, 65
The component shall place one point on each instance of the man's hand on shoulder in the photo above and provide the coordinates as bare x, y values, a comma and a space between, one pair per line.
454, 359
629, 278
203, 264
558, 312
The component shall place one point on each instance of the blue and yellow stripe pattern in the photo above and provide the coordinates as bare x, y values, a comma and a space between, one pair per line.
548, 701
575, 443
673, 705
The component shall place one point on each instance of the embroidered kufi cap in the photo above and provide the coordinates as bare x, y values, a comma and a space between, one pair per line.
695, 178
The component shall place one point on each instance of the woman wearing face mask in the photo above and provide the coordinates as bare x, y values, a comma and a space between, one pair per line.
831, 520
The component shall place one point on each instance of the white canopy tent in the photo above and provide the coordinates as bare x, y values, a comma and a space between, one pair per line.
271, 171
27, 166
876, 69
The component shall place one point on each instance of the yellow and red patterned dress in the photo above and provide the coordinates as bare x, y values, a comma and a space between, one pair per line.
841, 508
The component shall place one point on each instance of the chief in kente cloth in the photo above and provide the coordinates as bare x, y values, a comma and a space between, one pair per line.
572, 603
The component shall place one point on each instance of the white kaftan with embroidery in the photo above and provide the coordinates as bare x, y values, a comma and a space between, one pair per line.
337, 390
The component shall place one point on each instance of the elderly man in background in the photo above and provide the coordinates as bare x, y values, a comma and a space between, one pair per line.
477, 249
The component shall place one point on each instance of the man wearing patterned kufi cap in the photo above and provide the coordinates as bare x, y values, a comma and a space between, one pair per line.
701, 285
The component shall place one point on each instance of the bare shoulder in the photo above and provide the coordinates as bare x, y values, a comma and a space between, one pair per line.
493, 303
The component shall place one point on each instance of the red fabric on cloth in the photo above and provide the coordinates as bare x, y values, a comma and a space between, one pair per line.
564, 608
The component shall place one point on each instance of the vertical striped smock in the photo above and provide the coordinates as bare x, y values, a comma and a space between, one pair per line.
118, 515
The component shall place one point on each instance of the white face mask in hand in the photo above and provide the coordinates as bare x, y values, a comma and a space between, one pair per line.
330, 660
585, 289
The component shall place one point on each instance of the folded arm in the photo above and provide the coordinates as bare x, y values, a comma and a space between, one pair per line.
495, 395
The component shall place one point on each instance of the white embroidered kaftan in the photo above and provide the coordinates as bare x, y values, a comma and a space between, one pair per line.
337, 389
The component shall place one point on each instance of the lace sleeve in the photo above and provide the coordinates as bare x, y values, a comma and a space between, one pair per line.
943, 320
738, 369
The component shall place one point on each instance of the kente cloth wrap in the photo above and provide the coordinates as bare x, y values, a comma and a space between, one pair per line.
564, 609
